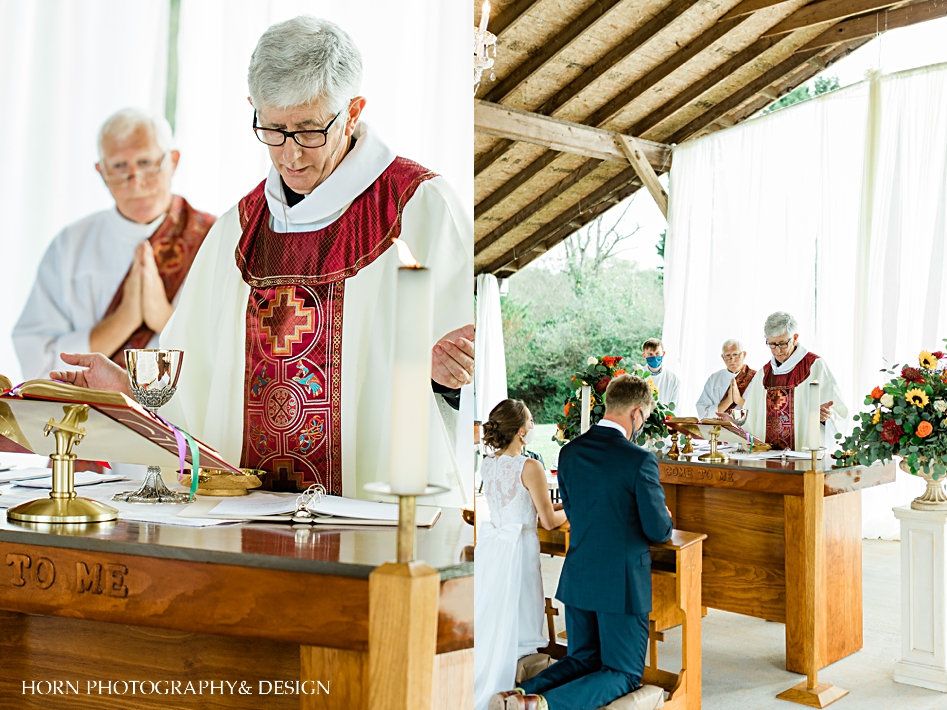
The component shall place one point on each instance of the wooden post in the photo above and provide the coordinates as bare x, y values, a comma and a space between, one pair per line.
633, 151
811, 692
402, 635
342, 671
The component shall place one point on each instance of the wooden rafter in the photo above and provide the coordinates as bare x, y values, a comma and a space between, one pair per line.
513, 124
870, 25
514, 183
549, 50
633, 150
748, 7
491, 156
509, 15
826, 11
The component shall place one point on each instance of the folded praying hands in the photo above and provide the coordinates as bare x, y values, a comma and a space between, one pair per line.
452, 358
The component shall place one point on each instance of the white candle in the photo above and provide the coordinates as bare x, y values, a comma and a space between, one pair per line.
814, 434
411, 375
484, 16
584, 411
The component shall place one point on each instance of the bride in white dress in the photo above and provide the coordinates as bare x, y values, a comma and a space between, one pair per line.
508, 584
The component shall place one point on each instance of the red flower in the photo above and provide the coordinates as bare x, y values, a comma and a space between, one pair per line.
611, 360
939, 354
877, 392
912, 374
891, 432
602, 385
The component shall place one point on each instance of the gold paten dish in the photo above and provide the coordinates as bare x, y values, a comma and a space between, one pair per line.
224, 483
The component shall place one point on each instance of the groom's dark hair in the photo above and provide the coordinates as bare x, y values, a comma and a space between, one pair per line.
627, 392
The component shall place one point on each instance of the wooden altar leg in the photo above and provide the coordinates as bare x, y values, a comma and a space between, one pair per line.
402, 635
690, 564
811, 692
345, 672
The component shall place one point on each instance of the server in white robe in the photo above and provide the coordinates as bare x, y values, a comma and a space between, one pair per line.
793, 401
724, 389
107, 282
668, 384
287, 319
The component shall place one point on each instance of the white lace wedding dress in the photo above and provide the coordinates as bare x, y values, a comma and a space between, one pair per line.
508, 583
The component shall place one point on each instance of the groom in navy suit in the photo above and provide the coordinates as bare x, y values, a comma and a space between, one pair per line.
612, 495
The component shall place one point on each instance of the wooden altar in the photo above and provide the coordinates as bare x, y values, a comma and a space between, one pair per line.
283, 611
757, 549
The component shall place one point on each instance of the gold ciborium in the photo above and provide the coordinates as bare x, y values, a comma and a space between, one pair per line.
153, 376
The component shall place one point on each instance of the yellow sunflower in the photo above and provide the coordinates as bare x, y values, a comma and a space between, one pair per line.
917, 397
654, 390
927, 360
876, 417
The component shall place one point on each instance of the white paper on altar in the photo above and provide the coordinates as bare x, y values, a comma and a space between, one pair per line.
82, 478
23, 474
842, 226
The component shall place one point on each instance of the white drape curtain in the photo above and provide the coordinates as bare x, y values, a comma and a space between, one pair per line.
833, 210
490, 372
65, 66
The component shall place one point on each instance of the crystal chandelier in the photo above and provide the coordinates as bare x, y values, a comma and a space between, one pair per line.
485, 47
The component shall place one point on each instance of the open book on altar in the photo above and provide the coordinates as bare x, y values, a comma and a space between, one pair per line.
327, 510
117, 428
728, 432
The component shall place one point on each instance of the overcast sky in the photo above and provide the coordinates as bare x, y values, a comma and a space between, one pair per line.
896, 50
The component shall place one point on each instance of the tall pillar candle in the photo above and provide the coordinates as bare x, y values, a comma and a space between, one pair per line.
814, 432
584, 412
411, 377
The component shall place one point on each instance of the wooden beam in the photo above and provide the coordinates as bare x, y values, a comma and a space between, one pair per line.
748, 7
823, 12
549, 50
720, 73
565, 218
535, 206
619, 53
870, 25
793, 62
633, 151
514, 183
509, 15
492, 155
608, 111
770, 93
513, 124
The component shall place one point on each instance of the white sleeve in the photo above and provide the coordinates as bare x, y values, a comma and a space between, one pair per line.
45, 328
705, 403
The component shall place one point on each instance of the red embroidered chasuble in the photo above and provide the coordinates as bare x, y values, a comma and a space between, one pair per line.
780, 402
292, 426
175, 244
743, 379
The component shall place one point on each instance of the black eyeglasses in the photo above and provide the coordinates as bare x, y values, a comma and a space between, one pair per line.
306, 139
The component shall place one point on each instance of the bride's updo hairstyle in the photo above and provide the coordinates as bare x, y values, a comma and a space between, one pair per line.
505, 421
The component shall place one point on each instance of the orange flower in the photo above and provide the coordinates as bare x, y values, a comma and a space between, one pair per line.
877, 392
924, 429
618, 373
567, 408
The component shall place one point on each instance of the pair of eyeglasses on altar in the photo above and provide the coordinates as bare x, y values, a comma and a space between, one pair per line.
306, 139
145, 169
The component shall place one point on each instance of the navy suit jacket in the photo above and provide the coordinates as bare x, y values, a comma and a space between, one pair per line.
612, 494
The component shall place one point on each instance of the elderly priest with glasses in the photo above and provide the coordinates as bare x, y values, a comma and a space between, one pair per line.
109, 281
788, 391
287, 319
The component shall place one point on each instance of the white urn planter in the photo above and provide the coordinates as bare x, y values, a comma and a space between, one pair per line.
935, 497
923, 595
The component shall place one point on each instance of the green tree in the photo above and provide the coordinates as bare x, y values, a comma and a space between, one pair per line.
821, 85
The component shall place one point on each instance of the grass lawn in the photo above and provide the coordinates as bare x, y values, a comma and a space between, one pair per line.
543, 444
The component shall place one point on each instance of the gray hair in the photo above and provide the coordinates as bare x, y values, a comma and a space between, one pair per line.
304, 60
778, 323
126, 121
730, 343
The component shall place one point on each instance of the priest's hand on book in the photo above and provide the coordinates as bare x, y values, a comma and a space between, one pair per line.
452, 358
100, 373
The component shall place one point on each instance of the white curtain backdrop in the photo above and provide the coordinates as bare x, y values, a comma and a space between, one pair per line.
833, 210
64, 68
490, 372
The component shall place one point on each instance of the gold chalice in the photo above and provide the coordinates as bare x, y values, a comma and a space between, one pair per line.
153, 376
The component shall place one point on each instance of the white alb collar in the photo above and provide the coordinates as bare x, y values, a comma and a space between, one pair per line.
359, 169
794, 359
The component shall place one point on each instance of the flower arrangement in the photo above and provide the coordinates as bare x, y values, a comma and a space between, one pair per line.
906, 418
598, 372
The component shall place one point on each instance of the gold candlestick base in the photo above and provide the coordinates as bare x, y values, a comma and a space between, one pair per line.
407, 515
675, 452
714, 456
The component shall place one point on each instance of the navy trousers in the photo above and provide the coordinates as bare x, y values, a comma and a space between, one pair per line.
605, 661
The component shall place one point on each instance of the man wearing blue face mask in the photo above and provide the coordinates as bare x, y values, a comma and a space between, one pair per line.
668, 384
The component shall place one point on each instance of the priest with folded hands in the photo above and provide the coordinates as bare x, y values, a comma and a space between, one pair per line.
287, 319
724, 389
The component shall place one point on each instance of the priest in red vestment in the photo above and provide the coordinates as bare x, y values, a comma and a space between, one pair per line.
793, 401
287, 320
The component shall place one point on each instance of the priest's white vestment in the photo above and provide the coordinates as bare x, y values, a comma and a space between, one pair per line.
806, 399
715, 389
669, 388
210, 321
